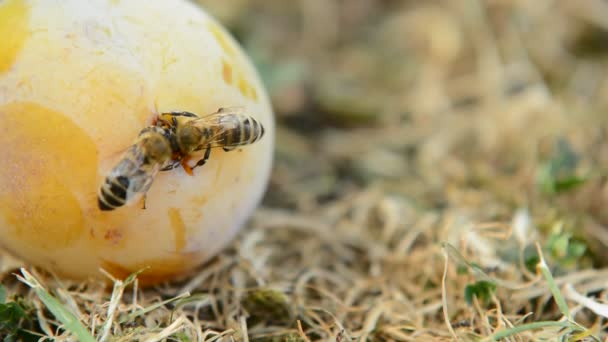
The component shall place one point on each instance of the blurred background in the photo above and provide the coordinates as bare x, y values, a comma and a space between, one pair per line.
406, 124
489, 105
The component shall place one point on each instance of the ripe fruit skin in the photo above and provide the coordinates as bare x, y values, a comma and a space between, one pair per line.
78, 81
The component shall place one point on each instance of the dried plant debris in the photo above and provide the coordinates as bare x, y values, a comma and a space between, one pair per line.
440, 174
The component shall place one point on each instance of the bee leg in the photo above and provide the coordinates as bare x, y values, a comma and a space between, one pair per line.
185, 165
205, 157
186, 114
171, 166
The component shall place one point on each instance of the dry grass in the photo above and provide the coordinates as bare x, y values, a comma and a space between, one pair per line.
430, 155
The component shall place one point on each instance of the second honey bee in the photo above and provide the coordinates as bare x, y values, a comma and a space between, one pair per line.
132, 176
169, 143
227, 128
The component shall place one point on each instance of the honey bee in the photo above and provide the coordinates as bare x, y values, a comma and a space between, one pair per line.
169, 143
227, 128
132, 176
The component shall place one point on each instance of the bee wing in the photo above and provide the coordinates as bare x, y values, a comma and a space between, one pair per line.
140, 171
238, 110
230, 127
140, 184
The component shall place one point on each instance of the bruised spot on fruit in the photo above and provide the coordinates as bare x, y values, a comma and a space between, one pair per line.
244, 87
227, 72
154, 270
235, 76
253, 94
107, 229
222, 38
14, 21
247, 89
179, 228
46, 160
114, 236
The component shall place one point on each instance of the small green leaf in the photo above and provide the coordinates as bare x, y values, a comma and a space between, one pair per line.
565, 249
531, 263
265, 304
462, 269
10, 315
576, 249
482, 289
181, 337
568, 183
2, 294
15, 318
559, 173
559, 245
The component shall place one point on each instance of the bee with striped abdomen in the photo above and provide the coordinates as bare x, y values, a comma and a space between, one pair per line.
131, 178
169, 143
227, 128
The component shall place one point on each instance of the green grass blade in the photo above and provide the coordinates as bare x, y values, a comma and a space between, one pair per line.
557, 295
455, 255
529, 326
2, 294
69, 321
